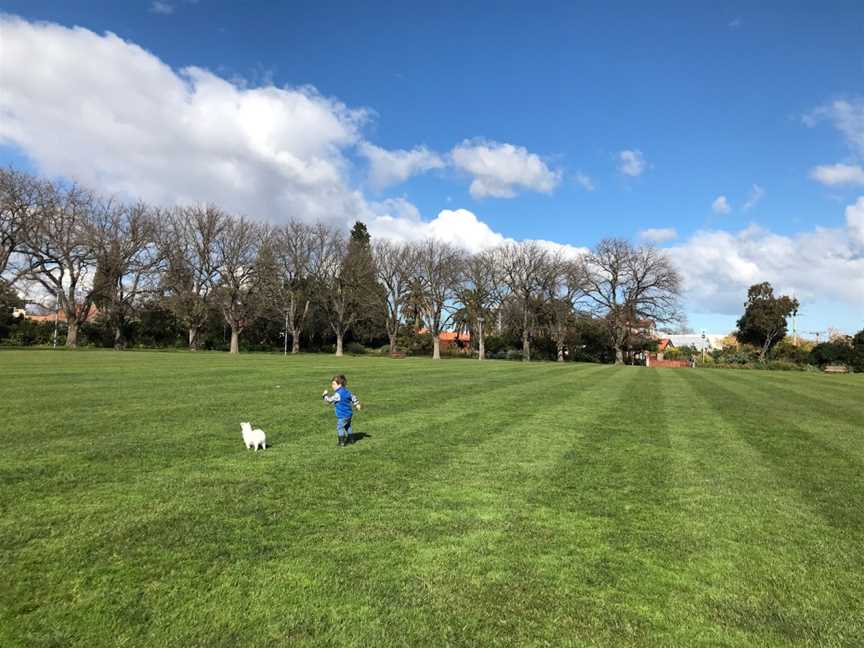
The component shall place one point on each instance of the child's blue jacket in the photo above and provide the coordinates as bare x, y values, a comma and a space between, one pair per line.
344, 401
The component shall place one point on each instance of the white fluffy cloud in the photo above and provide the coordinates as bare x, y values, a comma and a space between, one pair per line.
111, 115
459, 227
721, 205
392, 167
631, 163
855, 223
718, 266
499, 170
838, 174
659, 235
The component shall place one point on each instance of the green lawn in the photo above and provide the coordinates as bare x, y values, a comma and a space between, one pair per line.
489, 504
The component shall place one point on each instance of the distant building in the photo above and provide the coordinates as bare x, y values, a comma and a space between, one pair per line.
695, 340
452, 340
60, 315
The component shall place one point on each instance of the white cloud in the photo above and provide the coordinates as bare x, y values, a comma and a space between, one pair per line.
113, 116
584, 181
756, 194
847, 117
459, 227
721, 205
659, 235
164, 8
855, 223
499, 170
631, 163
393, 167
838, 174
565, 250
735, 24
826, 263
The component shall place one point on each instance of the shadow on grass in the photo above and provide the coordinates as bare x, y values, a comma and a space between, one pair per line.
359, 436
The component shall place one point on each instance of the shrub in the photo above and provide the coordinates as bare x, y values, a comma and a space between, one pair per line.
857, 359
788, 352
782, 365
494, 344
26, 332
835, 352
355, 348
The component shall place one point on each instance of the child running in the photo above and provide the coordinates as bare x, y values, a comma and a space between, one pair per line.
344, 401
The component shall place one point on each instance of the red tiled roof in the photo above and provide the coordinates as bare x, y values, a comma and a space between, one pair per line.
60, 315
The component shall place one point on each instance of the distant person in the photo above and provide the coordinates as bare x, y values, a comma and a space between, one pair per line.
344, 402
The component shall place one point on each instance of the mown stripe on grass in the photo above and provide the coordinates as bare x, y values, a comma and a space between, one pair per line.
800, 456
750, 583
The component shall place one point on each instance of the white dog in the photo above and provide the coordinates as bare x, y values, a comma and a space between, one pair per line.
253, 438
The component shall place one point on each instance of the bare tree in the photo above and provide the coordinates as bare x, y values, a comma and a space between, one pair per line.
395, 265
568, 288
127, 261
20, 198
631, 287
187, 241
335, 285
437, 270
296, 247
61, 252
527, 272
238, 288
477, 293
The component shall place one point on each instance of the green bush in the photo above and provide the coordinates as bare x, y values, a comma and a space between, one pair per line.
355, 348
857, 359
834, 352
494, 344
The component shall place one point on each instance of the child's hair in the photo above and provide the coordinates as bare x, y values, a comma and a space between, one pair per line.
340, 380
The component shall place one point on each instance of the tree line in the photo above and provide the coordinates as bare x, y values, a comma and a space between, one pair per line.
88, 252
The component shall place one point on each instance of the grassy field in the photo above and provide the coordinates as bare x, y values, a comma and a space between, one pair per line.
488, 504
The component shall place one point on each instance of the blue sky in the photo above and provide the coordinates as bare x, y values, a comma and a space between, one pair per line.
737, 102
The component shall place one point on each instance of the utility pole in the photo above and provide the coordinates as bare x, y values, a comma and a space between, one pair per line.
816, 333
794, 323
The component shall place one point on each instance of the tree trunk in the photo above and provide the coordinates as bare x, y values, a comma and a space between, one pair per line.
339, 344
619, 356
71, 334
295, 341
193, 338
526, 347
560, 352
436, 348
235, 340
119, 342
392, 337
481, 349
